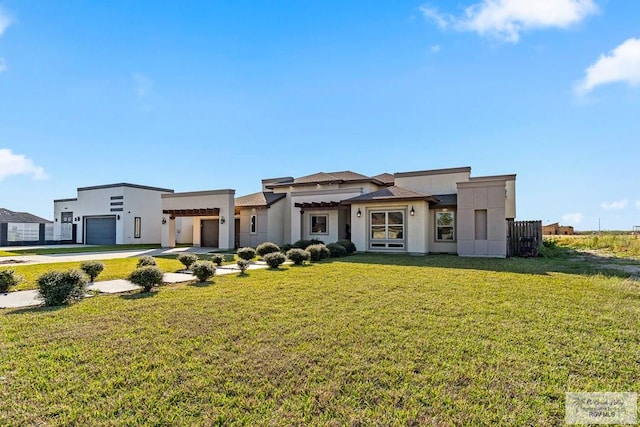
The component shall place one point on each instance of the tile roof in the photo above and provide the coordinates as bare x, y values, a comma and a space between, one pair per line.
258, 199
331, 177
387, 178
10, 216
390, 193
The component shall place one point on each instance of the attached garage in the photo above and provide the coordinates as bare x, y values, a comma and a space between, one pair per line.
100, 230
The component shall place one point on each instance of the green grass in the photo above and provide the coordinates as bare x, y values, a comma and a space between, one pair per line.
113, 269
368, 340
51, 250
618, 245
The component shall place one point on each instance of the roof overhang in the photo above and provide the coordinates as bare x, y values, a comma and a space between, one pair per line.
308, 206
191, 212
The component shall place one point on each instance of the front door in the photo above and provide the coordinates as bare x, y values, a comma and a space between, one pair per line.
209, 232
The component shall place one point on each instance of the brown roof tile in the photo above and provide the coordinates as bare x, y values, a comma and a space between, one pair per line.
259, 199
390, 193
10, 216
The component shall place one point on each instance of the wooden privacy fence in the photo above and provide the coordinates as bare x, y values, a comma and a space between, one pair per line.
524, 238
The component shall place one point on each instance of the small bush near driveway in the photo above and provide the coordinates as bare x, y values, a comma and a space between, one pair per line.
146, 260
247, 253
147, 276
187, 259
203, 270
318, 252
92, 269
8, 279
298, 256
267, 248
274, 259
62, 287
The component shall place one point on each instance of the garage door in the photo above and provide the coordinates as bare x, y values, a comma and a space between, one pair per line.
100, 231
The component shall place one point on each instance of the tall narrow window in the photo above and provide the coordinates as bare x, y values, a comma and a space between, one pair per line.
319, 224
253, 224
387, 230
445, 226
481, 224
137, 227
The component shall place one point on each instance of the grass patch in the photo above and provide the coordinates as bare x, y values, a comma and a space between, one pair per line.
52, 250
619, 245
367, 340
113, 269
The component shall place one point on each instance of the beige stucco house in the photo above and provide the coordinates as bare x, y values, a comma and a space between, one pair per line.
420, 212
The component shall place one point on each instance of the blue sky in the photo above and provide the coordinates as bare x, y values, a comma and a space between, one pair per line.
206, 95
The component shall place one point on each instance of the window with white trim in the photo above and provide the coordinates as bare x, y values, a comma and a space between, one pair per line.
319, 224
445, 226
253, 224
387, 229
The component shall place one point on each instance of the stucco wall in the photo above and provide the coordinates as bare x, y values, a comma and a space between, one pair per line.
482, 194
430, 183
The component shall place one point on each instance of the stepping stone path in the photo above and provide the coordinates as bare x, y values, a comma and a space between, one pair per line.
19, 299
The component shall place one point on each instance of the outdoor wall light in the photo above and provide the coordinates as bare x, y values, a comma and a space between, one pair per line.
164, 221
222, 220
359, 213
118, 217
412, 212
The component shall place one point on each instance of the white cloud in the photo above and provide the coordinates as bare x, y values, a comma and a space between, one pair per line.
18, 164
435, 48
5, 21
572, 218
621, 65
143, 84
621, 204
506, 19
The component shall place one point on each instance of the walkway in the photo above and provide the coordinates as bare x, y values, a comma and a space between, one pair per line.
19, 299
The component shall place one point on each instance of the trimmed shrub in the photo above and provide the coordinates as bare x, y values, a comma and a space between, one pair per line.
8, 278
146, 276
304, 244
243, 264
318, 252
92, 269
146, 260
337, 250
298, 256
217, 259
247, 253
286, 248
274, 259
348, 245
203, 270
267, 248
187, 259
62, 287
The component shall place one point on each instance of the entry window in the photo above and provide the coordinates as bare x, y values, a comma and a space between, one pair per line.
137, 227
253, 224
319, 224
387, 230
445, 226
67, 217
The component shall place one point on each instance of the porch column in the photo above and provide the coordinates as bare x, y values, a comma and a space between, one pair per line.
168, 239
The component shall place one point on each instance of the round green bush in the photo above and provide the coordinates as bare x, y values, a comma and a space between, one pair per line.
217, 259
286, 248
92, 269
267, 248
337, 250
203, 270
298, 256
304, 244
187, 259
146, 276
318, 252
146, 260
8, 279
247, 253
274, 259
243, 264
62, 287
348, 245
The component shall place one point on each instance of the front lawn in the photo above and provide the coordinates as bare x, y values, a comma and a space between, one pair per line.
367, 340
52, 250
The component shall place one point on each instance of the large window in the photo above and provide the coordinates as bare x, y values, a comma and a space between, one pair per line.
319, 224
445, 226
67, 217
387, 229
